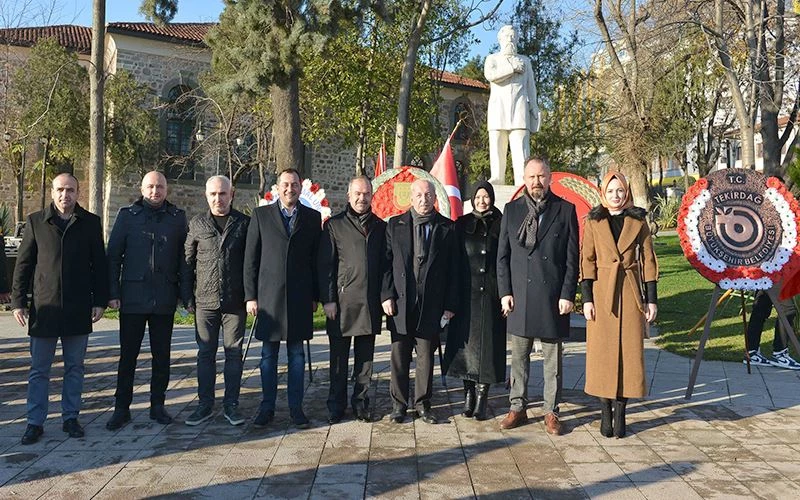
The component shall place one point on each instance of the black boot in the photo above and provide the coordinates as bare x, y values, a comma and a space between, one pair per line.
469, 398
605, 418
481, 402
619, 417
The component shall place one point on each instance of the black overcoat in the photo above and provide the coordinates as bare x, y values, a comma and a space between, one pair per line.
440, 274
351, 273
216, 261
476, 338
66, 273
147, 268
539, 277
280, 272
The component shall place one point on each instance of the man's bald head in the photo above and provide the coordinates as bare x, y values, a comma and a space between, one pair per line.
154, 188
423, 196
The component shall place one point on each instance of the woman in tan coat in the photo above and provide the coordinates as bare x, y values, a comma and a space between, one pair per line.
616, 257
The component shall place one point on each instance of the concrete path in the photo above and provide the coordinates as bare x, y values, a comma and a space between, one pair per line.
738, 437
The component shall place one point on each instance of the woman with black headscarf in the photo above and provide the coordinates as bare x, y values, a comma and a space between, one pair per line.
476, 340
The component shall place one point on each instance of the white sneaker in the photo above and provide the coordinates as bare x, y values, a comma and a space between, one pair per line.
758, 359
781, 359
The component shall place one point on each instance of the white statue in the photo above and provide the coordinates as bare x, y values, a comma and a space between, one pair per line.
513, 113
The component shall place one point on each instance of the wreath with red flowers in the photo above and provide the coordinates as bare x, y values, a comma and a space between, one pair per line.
384, 203
761, 276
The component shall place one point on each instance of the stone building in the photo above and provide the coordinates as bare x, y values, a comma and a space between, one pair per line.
169, 60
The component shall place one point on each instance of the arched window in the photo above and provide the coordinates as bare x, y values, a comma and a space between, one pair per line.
179, 131
462, 110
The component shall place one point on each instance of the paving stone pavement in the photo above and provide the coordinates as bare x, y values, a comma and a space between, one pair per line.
738, 437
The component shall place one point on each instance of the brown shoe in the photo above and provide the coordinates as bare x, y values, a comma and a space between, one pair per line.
551, 424
514, 419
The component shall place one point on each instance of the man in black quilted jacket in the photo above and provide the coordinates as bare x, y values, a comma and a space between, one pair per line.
215, 256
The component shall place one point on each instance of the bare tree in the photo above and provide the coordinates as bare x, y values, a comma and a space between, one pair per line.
96, 108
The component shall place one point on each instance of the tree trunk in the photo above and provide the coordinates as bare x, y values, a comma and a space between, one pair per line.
639, 183
406, 82
286, 125
21, 187
96, 111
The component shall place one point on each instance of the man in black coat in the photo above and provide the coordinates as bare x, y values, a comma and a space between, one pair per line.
148, 273
4, 288
537, 276
281, 289
350, 265
215, 255
419, 295
62, 262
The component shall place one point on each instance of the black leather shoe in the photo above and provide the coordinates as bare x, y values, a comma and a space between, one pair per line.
335, 418
398, 414
160, 415
362, 414
264, 418
73, 428
118, 419
32, 434
299, 419
427, 416
606, 426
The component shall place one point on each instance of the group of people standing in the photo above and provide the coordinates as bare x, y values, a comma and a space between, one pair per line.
481, 277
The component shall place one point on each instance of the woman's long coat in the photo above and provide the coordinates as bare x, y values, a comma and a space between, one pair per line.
614, 340
476, 339
280, 272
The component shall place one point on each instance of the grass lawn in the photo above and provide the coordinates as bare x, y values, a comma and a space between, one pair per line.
188, 319
683, 299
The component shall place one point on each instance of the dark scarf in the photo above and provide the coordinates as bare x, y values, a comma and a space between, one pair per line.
490, 190
421, 242
527, 231
362, 221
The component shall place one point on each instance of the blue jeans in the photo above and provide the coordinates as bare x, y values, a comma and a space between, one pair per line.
269, 374
43, 350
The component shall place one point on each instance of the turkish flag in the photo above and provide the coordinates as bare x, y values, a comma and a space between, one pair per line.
380, 165
444, 170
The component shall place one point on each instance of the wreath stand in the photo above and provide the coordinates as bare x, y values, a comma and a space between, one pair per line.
715, 301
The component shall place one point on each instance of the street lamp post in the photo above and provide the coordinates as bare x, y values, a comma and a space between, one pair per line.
45, 141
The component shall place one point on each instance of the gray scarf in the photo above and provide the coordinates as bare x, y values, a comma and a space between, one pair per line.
527, 231
422, 242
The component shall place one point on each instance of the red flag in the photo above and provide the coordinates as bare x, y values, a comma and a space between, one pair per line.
380, 165
445, 172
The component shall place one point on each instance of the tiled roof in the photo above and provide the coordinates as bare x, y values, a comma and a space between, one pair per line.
76, 38
192, 33
454, 79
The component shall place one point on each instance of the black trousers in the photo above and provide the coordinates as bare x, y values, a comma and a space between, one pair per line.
762, 307
363, 350
131, 334
402, 347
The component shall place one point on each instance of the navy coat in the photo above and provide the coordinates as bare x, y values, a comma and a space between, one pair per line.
148, 271
539, 277
280, 272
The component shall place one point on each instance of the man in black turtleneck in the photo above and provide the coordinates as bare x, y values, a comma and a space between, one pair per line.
419, 295
350, 257
148, 274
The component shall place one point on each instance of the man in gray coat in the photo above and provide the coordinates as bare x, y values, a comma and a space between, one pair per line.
148, 273
281, 290
215, 255
350, 265
537, 276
